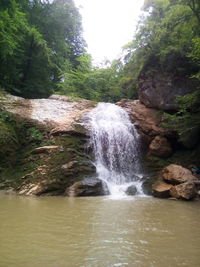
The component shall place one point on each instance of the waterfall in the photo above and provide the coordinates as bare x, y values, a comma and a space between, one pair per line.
116, 145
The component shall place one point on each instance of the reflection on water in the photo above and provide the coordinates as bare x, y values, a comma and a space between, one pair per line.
98, 232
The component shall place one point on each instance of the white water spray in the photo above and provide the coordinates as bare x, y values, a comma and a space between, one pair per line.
116, 145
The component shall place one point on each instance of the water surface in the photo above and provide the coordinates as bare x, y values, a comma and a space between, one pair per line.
98, 232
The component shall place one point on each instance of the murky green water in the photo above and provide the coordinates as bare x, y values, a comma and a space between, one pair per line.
98, 232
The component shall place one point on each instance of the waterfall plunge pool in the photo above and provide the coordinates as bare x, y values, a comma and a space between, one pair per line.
98, 232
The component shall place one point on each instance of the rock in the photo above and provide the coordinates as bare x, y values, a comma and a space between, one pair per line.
42, 187
87, 187
186, 191
2, 185
146, 119
69, 165
161, 189
131, 190
176, 174
69, 129
45, 149
160, 147
159, 90
74, 167
10, 191
59, 113
57, 121
147, 186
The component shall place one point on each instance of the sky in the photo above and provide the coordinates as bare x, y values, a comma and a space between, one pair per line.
108, 25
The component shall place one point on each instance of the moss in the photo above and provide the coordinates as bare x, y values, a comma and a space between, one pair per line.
17, 139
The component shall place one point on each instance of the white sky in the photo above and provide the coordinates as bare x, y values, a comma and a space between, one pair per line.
108, 25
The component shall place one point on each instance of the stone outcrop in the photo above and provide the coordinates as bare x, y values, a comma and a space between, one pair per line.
51, 153
159, 90
175, 174
177, 182
148, 122
160, 147
146, 119
58, 113
87, 187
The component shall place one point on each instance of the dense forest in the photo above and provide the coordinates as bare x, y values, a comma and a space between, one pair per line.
39, 41
43, 51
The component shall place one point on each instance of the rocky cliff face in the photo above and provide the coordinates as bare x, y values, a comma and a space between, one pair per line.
163, 147
159, 90
51, 145
148, 121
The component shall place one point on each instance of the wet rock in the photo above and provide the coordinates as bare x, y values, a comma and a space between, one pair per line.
45, 149
87, 187
161, 189
74, 167
186, 191
160, 147
131, 190
176, 174
147, 186
41, 187
2, 185
10, 191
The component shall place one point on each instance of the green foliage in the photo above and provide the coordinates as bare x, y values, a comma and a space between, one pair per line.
99, 84
38, 41
34, 135
195, 55
163, 39
188, 117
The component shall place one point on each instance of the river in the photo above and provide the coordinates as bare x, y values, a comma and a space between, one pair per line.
98, 232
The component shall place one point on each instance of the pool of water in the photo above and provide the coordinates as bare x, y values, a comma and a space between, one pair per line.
98, 232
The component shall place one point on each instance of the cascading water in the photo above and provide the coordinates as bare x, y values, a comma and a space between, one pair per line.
116, 146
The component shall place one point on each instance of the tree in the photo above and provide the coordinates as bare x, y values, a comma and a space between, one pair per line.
39, 40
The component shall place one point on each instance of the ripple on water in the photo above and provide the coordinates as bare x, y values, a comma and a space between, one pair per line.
92, 232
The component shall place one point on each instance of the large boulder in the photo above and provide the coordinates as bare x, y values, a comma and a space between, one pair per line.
177, 182
161, 189
86, 187
159, 90
186, 191
176, 174
43, 187
160, 147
